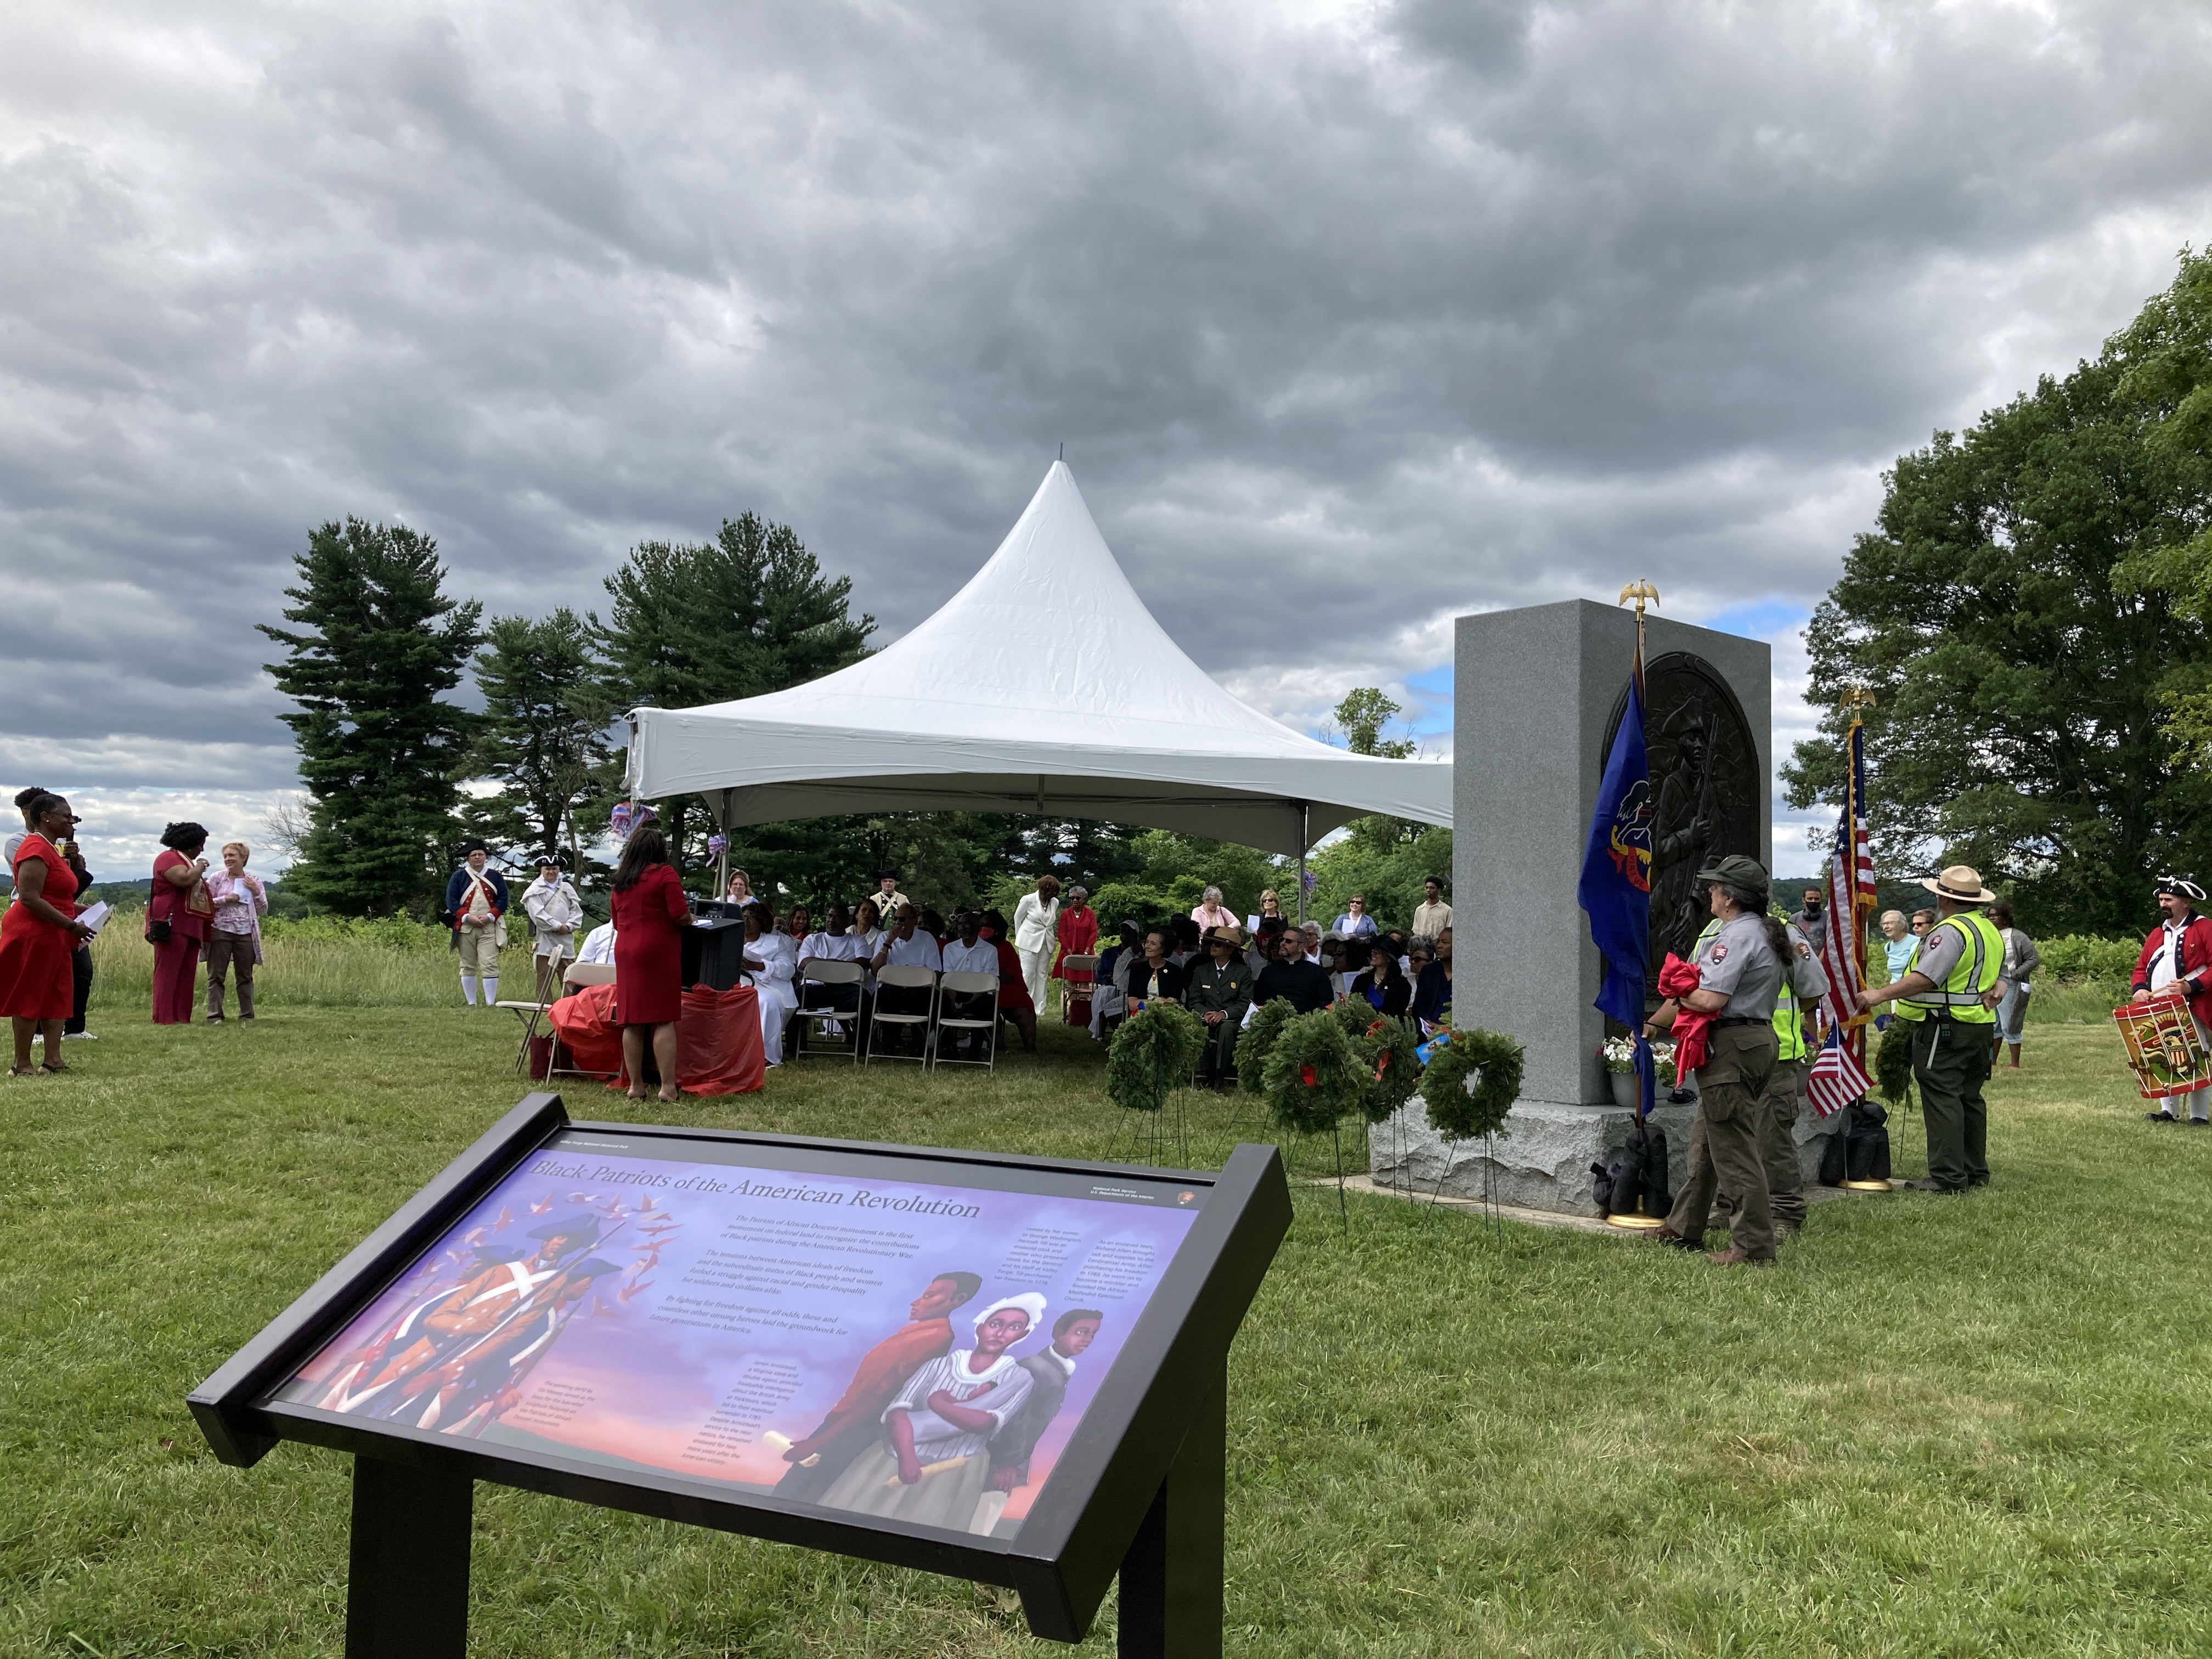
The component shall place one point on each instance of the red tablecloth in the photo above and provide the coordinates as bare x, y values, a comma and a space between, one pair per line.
718, 1038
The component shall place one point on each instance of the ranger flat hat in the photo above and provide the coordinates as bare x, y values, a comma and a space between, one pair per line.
1960, 883
1228, 934
1737, 871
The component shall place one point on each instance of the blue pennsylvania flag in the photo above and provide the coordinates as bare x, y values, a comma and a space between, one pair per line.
1615, 889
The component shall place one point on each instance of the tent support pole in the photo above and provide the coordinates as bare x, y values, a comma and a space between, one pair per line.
722, 823
1305, 841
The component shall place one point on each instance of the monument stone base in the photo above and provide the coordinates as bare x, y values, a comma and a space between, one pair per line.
1541, 1160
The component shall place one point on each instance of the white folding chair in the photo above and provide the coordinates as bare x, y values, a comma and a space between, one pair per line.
823, 970
529, 1013
575, 976
904, 977
967, 985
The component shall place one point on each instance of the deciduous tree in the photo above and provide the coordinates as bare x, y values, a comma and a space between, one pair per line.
2006, 615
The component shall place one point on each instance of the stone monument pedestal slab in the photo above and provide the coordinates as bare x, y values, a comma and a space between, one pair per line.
1542, 1160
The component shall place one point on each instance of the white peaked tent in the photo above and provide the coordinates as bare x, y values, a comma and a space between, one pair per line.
1043, 686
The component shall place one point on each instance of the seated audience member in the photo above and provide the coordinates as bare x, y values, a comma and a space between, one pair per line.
1109, 1001
835, 942
1189, 944
771, 961
1336, 961
1304, 982
1432, 995
1355, 922
1416, 958
1396, 937
1220, 991
868, 928
598, 945
1384, 985
930, 922
740, 891
907, 946
798, 923
969, 953
1015, 1003
1309, 936
1266, 945
1155, 977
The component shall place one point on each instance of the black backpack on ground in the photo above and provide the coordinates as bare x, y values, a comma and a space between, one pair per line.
1637, 1181
1860, 1150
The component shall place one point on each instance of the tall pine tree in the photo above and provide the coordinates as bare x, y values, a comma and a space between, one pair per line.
748, 613
542, 734
379, 641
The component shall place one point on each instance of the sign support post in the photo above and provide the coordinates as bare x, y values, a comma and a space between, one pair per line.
1172, 1574
407, 1577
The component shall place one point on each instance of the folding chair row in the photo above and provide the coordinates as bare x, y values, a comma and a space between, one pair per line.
948, 1003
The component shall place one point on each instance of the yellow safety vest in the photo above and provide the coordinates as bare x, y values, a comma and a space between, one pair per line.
1975, 973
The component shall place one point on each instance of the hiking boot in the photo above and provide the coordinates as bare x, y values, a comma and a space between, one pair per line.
1732, 1257
1668, 1236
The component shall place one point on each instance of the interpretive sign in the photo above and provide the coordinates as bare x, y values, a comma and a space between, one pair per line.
1007, 1369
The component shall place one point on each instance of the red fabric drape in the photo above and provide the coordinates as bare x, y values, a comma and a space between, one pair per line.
1678, 979
718, 1038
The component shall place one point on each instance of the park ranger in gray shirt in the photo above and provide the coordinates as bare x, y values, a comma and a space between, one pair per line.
1804, 983
1740, 971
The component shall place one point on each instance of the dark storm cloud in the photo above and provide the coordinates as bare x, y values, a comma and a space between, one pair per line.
1352, 319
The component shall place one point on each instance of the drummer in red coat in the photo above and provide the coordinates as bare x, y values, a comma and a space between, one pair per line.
650, 915
39, 936
2180, 949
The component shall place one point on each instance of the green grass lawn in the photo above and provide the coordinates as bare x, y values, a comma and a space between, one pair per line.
1943, 1426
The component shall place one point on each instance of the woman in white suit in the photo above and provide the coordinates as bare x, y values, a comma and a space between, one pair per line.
772, 959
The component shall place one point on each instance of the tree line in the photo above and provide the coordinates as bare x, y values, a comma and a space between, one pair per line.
399, 777
2033, 614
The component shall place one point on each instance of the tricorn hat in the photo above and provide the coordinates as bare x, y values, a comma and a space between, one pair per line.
1961, 884
577, 1228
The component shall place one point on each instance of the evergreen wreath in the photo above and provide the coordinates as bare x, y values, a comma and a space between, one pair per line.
1153, 1052
1253, 1042
1494, 1060
1313, 1075
1386, 1048
1892, 1062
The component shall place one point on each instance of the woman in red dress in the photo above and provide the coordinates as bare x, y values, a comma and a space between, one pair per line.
650, 914
1014, 1003
180, 899
1079, 937
39, 936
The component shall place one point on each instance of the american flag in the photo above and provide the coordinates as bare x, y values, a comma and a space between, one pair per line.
1839, 1076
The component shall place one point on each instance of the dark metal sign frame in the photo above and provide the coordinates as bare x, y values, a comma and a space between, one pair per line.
1137, 1491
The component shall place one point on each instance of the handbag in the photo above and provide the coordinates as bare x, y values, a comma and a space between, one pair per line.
158, 932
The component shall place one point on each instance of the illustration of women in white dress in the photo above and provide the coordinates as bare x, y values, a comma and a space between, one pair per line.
935, 1457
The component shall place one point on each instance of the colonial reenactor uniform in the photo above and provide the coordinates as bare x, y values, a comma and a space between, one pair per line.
1223, 988
2180, 952
1963, 956
1725, 1136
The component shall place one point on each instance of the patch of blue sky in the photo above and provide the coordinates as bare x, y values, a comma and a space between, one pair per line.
1429, 712
1762, 619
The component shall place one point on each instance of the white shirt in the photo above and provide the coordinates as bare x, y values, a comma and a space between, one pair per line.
1005, 1387
779, 961
1034, 921
2165, 966
831, 947
920, 951
981, 957
598, 944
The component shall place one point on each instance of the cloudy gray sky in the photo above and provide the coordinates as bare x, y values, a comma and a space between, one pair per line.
1353, 318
